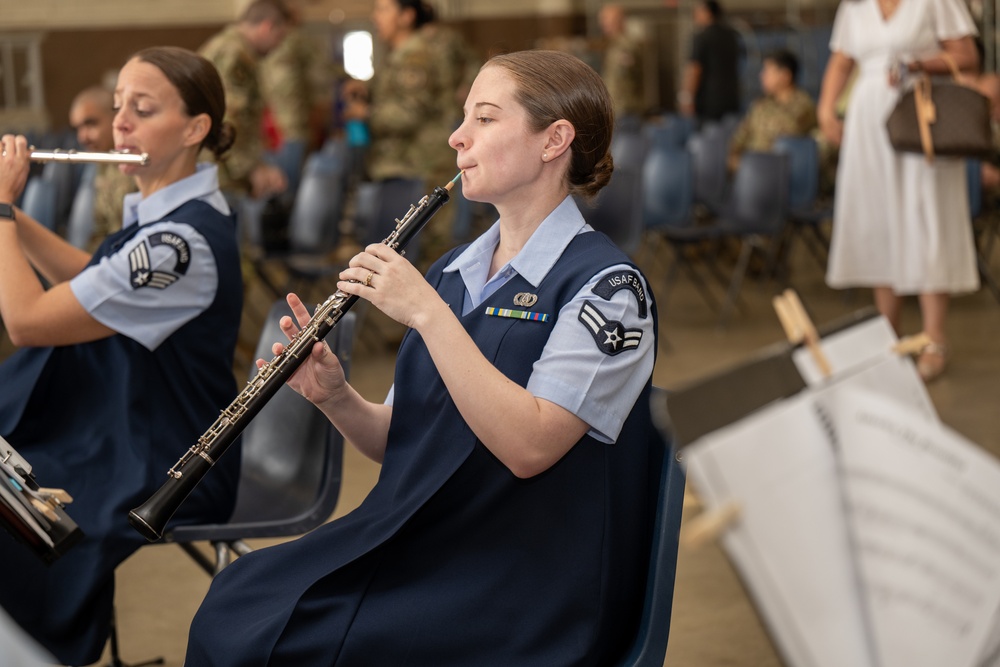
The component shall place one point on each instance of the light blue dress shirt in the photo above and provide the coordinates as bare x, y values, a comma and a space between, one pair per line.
151, 312
573, 372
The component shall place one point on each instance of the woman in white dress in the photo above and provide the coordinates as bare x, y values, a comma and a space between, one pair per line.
901, 225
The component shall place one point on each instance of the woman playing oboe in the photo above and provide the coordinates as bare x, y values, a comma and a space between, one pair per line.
510, 522
128, 354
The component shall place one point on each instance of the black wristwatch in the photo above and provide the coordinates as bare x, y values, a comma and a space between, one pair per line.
7, 211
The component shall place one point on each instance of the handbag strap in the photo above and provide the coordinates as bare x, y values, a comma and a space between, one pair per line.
950, 62
926, 114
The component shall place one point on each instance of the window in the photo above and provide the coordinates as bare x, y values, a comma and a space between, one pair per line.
358, 50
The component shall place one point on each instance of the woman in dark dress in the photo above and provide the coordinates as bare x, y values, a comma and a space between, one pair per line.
511, 520
127, 357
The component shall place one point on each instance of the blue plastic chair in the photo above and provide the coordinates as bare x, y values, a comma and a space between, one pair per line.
617, 210
757, 215
80, 226
670, 131
39, 201
650, 645
806, 213
709, 151
984, 227
628, 149
668, 211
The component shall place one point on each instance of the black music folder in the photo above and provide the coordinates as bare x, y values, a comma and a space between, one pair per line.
33, 515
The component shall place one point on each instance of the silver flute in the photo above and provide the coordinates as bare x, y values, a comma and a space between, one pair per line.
71, 156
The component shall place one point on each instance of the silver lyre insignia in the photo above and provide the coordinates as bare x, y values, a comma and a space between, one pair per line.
525, 299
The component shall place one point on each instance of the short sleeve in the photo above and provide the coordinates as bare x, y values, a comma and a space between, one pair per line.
842, 38
600, 353
699, 48
158, 280
952, 19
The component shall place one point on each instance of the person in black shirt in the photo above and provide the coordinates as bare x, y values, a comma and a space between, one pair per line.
710, 87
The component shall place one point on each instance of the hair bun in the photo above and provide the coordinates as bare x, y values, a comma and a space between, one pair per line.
224, 141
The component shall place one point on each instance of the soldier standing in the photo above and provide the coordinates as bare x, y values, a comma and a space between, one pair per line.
623, 64
409, 119
91, 115
236, 52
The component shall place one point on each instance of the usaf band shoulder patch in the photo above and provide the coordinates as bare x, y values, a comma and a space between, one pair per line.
621, 279
611, 336
139, 265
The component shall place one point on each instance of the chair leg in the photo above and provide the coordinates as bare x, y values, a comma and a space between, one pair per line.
987, 277
737, 282
116, 660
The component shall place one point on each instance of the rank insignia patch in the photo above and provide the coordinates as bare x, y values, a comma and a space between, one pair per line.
611, 337
614, 281
139, 265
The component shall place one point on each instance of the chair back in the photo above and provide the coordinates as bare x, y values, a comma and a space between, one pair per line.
80, 226
759, 198
670, 131
628, 149
290, 159
292, 456
667, 187
803, 164
314, 222
65, 178
650, 645
709, 151
974, 182
39, 201
380, 203
617, 210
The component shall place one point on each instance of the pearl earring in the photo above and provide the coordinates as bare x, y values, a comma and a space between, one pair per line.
545, 156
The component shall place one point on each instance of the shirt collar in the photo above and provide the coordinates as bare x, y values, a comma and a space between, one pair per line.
538, 255
203, 184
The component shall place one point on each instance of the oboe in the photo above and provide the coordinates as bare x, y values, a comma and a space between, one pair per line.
152, 516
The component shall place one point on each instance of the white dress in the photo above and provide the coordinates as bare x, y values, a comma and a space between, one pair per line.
898, 222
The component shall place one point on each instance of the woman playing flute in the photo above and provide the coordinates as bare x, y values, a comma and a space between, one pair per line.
128, 354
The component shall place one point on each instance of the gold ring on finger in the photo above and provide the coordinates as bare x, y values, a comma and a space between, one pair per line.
368, 280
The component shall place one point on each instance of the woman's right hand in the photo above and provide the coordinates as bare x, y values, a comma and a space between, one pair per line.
832, 127
320, 378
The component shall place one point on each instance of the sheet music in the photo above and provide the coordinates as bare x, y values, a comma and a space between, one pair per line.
791, 543
923, 504
861, 355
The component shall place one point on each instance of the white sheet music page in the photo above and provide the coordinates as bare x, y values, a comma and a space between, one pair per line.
923, 504
862, 354
791, 544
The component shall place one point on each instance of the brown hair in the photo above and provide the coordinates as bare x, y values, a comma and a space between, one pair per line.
259, 11
552, 85
200, 87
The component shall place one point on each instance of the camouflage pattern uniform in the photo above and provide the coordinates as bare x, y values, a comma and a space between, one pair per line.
769, 119
286, 86
410, 124
110, 188
237, 65
623, 75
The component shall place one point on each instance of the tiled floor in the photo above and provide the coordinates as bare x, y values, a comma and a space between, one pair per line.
713, 622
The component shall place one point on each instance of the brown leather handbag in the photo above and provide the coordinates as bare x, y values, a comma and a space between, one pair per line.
943, 118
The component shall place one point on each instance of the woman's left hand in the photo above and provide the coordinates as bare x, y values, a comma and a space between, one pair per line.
14, 166
393, 285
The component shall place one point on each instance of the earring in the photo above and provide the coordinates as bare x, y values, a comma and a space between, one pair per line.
545, 156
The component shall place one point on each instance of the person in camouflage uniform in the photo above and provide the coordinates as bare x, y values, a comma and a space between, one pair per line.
622, 69
409, 113
287, 88
91, 115
236, 52
784, 110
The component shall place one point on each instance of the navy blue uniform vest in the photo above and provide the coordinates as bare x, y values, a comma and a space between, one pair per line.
105, 420
452, 560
